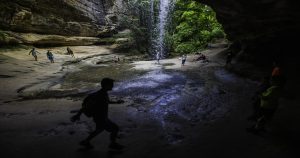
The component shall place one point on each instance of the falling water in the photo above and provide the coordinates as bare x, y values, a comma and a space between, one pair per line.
160, 28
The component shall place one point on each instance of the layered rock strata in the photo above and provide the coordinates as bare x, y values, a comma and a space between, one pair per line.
59, 17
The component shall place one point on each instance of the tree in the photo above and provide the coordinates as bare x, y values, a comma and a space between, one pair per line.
194, 25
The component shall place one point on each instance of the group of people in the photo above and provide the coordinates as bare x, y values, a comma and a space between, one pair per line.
200, 57
266, 99
183, 58
49, 54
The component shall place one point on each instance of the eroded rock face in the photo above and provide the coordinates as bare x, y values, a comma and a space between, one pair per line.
61, 17
261, 29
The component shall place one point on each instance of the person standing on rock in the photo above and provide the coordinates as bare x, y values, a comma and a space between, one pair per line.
183, 59
70, 52
50, 56
34, 53
116, 59
157, 57
263, 86
269, 100
229, 58
99, 113
277, 73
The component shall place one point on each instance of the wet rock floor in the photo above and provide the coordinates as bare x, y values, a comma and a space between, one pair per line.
169, 110
174, 99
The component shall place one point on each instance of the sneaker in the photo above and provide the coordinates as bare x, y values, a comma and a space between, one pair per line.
86, 144
116, 146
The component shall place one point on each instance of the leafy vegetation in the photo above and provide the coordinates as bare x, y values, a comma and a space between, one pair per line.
193, 26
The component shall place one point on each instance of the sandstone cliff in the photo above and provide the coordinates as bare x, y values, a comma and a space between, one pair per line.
60, 17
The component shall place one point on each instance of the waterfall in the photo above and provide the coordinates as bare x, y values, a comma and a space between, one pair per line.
159, 29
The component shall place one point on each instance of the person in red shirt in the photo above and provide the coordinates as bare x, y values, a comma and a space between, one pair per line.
277, 72
276, 69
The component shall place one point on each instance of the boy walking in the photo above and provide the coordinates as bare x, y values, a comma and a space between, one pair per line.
100, 116
183, 59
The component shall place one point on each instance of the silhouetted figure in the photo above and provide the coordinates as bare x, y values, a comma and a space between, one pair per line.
100, 115
229, 58
263, 86
50, 56
34, 53
183, 59
70, 52
268, 105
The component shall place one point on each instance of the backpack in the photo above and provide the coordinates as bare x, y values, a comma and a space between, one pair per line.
88, 105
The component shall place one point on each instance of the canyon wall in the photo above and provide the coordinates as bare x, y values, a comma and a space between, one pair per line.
259, 29
59, 17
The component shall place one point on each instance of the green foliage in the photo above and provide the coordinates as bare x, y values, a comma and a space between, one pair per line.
185, 47
193, 26
217, 33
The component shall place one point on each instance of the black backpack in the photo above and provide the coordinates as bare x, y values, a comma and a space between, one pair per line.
88, 105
